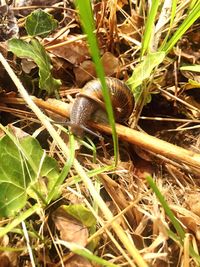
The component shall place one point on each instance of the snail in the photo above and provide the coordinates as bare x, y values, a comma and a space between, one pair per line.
90, 100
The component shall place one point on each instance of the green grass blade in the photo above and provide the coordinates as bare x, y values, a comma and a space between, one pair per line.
76, 179
195, 68
149, 27
181, 233
192, 252
190, 19
11, 249
143, 70
86, 16
79, 250
193, 3
18, 220
167, 209
173, 13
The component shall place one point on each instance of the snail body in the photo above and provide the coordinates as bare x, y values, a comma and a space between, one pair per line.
90, 99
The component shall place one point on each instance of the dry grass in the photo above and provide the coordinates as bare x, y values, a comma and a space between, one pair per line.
132, 227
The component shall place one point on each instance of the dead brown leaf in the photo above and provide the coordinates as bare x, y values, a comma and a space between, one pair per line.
27, 65
110, 63
86, 70
75, 52
131, 25
5, 262
70, 229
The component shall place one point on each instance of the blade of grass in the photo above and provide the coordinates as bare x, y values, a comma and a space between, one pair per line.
173, 13
86, 16
79, 250
93, 148
29, 248
20, 232
192, 252
190, 19
76, 179
149, 27
193, 3
19, 219
167, 209
181, 233
195, 68
12, 249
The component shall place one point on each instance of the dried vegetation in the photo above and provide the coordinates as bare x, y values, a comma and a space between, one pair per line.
171, 115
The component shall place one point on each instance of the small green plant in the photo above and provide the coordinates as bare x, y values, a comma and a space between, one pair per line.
38, 23
23, 165
150, 59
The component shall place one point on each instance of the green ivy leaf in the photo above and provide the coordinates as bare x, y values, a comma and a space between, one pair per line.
40, 23
12, 183
143, 70
47, 168
20, 170
137, 94
35, 51
81, 213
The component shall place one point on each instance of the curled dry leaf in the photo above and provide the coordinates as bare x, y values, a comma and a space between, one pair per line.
130, 27
28, 65
9, 259
70, 229
195, 103
62, 70
18, 132
3, 49
86, 70
110, 63
5, 262
191, 75
75, 52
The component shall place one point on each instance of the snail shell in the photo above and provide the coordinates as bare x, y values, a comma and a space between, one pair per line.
90, 99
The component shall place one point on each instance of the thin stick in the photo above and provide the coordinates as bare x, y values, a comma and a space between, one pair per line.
143, 140
153, 144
